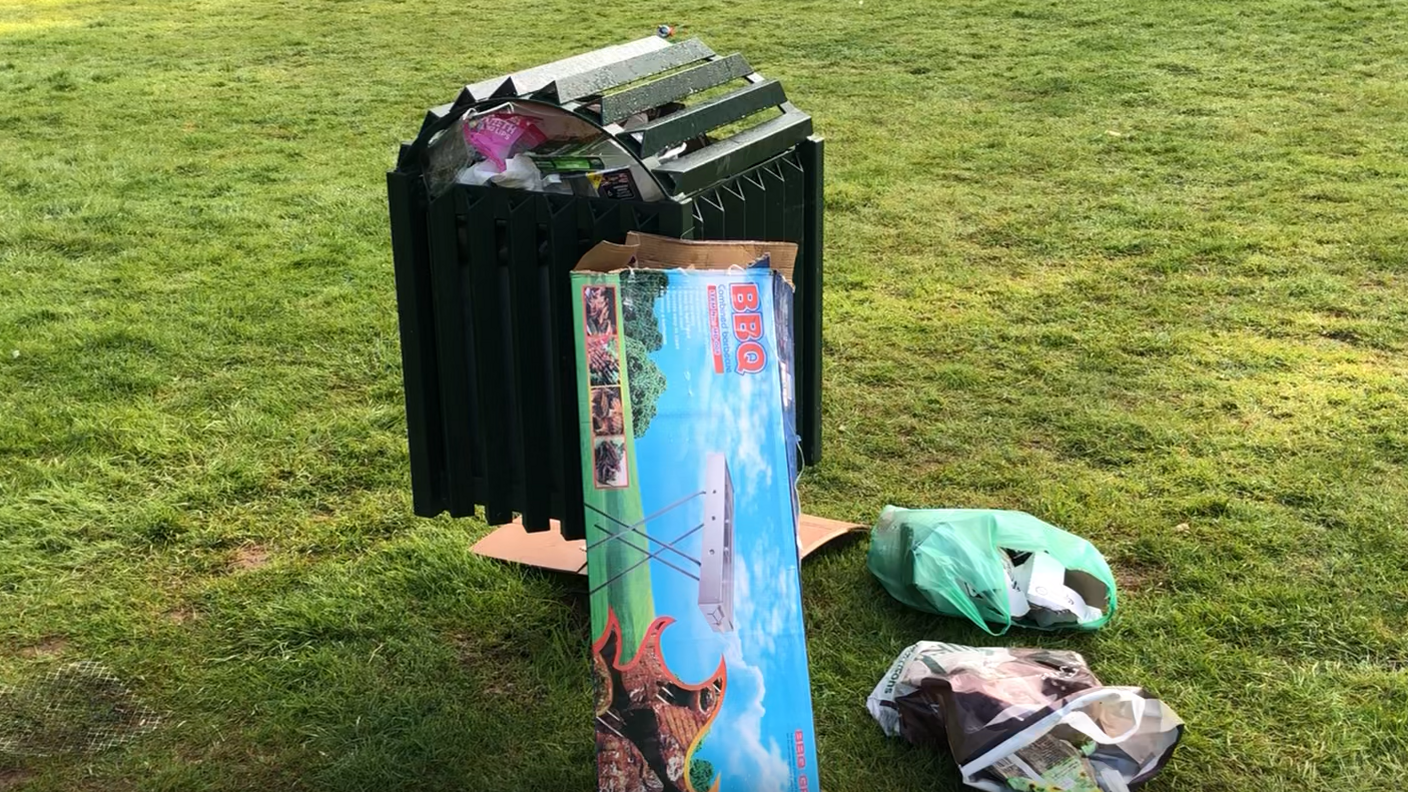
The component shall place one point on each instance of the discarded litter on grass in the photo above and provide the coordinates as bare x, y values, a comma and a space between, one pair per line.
992, 567
1025, 719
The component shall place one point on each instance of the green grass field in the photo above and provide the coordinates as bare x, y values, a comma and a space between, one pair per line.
1140, 269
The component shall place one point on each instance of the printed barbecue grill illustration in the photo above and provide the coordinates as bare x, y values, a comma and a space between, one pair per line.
713, 569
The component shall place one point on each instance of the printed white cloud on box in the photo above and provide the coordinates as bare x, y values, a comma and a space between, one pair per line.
762, 764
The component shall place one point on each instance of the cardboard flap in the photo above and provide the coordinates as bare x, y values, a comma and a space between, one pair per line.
667, 252
648, 251
606, 257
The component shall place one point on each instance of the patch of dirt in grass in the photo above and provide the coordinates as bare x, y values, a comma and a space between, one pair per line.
250, 558
13, 778
478, 652
1134, 576
182, 615
500, 665
49, 647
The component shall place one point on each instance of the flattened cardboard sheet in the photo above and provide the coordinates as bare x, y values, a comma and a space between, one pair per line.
548, 550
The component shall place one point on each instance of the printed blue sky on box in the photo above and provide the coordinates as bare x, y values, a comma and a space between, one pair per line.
768, 698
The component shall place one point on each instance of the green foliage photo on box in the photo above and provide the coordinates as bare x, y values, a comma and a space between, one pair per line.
640, 288
701, 775
646, 384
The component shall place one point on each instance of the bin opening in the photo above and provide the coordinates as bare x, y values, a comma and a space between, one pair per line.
539, 147
692, 119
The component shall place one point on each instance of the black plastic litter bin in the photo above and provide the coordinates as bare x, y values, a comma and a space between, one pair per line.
482, 271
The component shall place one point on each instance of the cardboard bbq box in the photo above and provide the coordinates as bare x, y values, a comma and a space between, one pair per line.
689, 451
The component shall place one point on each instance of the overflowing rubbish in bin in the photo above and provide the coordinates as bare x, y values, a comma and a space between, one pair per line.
533, 146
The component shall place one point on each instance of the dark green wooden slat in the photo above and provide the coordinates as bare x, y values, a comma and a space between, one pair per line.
617, 106
455, 384
735, 211
602, 79
563, 254
529, 351
809, 401
705, 116
775, 188
793, 205
677, 220
493, 372
711, 164
606, 219
710, 216
478, 455
474, 409
795, 202
410, 250
547, 364
513, 418
755, 200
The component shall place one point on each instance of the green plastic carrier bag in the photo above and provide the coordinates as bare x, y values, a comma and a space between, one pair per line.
992, 567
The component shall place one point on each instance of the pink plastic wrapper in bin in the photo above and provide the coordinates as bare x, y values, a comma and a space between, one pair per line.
502, 135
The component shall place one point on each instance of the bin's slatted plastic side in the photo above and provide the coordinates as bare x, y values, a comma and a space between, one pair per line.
505, 402
452, 339
488, 347
531, 354
812, 152
559, 215
416, 316
490, 331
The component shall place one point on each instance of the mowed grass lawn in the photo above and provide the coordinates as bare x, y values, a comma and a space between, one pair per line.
1138, 268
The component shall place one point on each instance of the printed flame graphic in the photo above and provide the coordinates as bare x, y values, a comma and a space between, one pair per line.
648, 722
